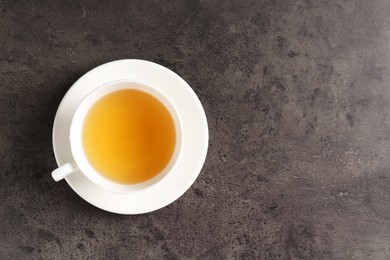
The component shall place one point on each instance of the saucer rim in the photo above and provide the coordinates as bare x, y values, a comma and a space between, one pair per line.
202, 132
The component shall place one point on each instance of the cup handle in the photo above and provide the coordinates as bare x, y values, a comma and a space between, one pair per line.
63, 171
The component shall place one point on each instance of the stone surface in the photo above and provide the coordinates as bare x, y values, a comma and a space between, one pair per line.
297, 96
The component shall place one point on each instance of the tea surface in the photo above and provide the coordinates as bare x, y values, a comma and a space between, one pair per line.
129, 136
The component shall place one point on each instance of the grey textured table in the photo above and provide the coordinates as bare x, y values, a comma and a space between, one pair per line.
297, 94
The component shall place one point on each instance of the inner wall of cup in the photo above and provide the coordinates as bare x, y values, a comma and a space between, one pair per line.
77, 141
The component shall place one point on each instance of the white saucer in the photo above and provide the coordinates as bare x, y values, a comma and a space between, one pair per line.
194, 147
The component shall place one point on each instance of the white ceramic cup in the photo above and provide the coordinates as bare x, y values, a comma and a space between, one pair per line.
81, 165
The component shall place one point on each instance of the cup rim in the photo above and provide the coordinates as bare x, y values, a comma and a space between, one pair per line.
76, 145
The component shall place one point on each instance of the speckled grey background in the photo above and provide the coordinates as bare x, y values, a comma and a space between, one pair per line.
297, 94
